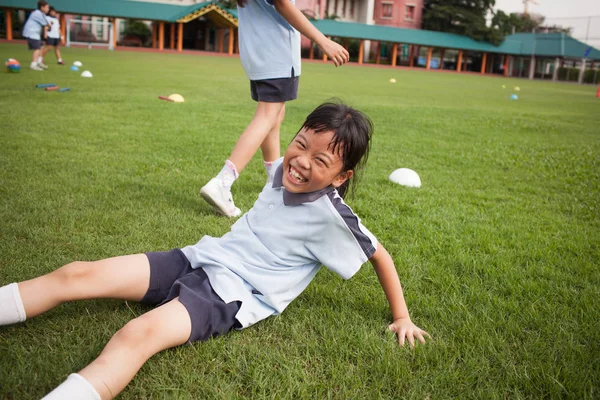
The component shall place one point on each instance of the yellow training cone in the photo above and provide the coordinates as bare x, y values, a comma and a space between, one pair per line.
177, 98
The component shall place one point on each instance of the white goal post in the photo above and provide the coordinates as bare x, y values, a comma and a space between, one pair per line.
93, 33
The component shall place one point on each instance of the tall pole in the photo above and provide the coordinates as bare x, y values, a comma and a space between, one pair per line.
179, 36
532, 63
161, 35
8, 21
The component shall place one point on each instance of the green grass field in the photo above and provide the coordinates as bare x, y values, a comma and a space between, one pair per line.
498, 251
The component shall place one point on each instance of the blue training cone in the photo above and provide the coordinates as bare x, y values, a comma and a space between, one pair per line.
74, 68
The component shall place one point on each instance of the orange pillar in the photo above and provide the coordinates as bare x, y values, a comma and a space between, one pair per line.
429, 53
172, 36
114, 22
221, 40
153, 35
394, 54
179, 36
411, 56
361, 51
311, 53
325, 55
161, 35
506, 59
63, 28
459, 61
231, 34
483, 63
8, 19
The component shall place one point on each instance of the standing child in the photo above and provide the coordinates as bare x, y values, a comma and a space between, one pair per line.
269, 36
53, 39
271, 254
35, 30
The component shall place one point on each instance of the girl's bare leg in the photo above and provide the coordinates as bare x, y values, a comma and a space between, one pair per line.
125, 277
271, 147
166, 326
264, 121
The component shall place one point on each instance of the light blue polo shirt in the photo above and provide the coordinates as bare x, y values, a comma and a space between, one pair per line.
269, 45
33, 27
274, 250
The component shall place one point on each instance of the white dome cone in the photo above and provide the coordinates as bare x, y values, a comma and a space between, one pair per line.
405, 177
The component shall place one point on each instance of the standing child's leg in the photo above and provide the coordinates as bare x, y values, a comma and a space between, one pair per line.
125, 277
271, 147
58, 56
218, 191
166, 326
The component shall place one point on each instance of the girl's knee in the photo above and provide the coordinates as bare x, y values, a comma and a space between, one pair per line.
135, 334
74, 273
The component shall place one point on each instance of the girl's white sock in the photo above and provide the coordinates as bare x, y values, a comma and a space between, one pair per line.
11, 305
76, 387
228, 175
40, 60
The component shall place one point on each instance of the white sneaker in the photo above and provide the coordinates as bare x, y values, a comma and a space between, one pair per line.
42, 65
36, 68
220, 198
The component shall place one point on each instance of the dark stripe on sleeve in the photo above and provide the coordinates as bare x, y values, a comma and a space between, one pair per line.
351, 221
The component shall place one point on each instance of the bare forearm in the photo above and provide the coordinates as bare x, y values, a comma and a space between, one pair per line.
296, 19
388, 278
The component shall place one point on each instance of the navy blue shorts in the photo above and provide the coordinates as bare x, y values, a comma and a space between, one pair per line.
171, 275
34, 44
275, 90
52, 41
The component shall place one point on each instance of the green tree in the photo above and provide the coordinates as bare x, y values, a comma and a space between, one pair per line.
463, 17
137, 28
506, 24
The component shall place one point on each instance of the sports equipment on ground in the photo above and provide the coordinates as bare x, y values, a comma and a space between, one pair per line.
405, 177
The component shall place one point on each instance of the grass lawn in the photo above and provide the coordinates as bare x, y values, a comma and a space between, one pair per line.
498, 251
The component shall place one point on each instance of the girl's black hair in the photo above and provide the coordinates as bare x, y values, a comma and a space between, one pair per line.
352, 131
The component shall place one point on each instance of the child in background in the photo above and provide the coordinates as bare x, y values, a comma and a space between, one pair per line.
269, 37
35, 30
271, 254
53, 36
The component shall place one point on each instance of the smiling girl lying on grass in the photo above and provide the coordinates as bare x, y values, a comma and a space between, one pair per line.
271, 254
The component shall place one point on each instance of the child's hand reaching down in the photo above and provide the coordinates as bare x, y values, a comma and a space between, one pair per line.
405, 329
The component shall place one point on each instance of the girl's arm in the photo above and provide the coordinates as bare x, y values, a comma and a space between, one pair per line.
338, 54
388, 278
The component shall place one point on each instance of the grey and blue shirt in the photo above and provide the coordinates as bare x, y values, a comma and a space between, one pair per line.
274, 250
34, 25
269, 45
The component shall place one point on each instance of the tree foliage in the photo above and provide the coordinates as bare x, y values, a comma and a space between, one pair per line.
468, 17
138, 29
506, 24
463, 17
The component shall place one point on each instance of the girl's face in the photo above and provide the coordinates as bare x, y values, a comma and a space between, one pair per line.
309, 163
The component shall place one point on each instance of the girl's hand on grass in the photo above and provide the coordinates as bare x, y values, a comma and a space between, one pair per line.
405, 329
336, 52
